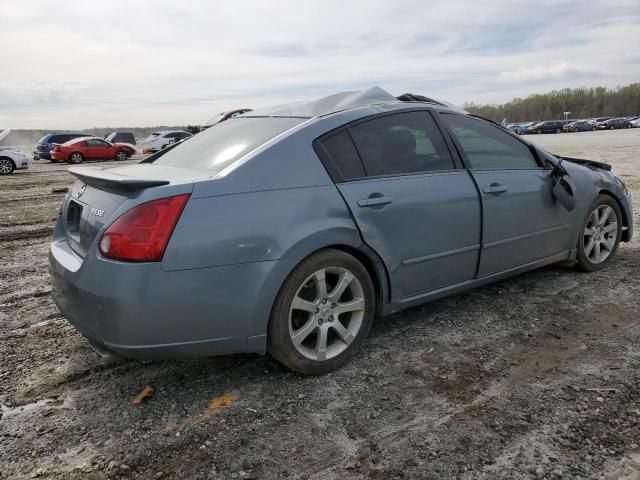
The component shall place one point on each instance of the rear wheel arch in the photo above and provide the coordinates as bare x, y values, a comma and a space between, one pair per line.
625, 219
367, 257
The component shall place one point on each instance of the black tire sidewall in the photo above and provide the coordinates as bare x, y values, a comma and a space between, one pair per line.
582, 262
279, 344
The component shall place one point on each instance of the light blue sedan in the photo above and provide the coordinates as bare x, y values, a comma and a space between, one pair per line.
287, 230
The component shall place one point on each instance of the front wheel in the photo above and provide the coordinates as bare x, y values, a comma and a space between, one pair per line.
600, 234
6, 166
322, 314
612, 127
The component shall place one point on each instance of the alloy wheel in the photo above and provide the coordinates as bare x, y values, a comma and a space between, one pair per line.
326, 313
6, 166
121, 156
76, 158
600, 234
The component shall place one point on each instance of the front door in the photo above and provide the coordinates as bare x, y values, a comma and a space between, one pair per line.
522, 221
97, 148
411, 204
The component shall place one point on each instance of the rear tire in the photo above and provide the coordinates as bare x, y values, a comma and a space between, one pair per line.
322, 313
6, 166
121, 155
600, 235
76, 157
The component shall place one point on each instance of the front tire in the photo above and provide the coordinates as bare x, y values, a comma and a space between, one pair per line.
601, 233
6, 166
322, 313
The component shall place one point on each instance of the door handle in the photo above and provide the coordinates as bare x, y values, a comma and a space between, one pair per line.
374, 201
495, 189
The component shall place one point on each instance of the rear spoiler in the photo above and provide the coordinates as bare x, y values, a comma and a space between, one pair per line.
102, 178
591, 163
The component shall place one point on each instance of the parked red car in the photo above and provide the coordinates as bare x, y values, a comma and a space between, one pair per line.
90, 148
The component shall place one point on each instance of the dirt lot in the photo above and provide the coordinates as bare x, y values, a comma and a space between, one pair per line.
488, 384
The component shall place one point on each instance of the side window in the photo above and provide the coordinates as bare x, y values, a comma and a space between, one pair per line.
94, 142
488, 147
401, 143
343, 156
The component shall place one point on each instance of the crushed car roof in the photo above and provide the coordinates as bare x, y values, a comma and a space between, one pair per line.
339, 102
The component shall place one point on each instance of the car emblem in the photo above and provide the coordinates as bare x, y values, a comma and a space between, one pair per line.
81, 190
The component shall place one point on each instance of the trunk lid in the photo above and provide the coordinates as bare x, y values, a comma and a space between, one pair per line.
100, 196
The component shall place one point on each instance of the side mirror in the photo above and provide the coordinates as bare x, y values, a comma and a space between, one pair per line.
565, 192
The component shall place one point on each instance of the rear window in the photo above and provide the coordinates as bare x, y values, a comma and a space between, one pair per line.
58, 139
217, 148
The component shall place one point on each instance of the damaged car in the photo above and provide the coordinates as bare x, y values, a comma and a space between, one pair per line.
11, 158
287, 230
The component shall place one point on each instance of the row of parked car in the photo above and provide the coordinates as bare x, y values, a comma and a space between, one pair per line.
75, 147
583, 125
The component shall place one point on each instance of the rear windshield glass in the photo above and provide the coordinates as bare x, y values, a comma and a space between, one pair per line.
219, 146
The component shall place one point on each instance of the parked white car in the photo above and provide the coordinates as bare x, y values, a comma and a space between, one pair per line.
159, 140
10, 158
635, 123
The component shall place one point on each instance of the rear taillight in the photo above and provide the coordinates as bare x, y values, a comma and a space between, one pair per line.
142, 233
43, 147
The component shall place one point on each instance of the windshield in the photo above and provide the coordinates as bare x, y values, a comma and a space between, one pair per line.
217, 148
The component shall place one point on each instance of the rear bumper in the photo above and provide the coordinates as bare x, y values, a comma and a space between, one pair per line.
38, 155
57, 157
142, 311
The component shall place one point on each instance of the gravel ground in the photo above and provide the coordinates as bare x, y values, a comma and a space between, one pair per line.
489, 384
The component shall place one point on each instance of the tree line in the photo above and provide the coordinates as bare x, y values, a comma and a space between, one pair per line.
581, 102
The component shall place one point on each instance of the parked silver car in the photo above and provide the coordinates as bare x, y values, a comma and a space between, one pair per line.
11, 159
287, 230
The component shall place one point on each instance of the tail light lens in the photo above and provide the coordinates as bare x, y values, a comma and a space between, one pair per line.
142, 233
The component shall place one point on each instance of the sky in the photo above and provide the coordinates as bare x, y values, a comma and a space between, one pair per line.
79, 64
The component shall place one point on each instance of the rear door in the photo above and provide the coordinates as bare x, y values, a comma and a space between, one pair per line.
522, 221
412, 205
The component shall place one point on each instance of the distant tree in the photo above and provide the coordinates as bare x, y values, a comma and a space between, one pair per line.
581, 102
